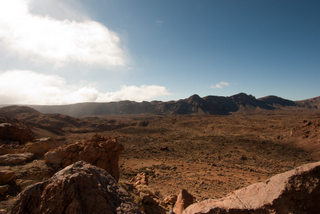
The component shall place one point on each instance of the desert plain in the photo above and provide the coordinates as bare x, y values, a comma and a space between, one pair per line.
208, 155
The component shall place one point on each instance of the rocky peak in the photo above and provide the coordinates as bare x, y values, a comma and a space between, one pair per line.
243, 96
195, 97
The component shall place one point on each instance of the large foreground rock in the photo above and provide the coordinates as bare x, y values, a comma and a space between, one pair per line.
295, 191
99, 151
77, 189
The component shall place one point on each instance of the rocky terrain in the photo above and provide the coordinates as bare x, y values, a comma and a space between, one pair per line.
162, 159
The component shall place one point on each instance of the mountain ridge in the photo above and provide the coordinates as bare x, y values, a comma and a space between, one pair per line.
194, 104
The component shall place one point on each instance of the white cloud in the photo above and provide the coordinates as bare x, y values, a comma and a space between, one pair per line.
59, 42
219, 85
144, 92
28, 87
59, 9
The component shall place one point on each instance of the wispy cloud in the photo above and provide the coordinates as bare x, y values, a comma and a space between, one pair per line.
28, 87
59, 42
220, 85
159, 22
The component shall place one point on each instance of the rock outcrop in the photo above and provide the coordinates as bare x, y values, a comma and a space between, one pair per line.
15, 132
99, 151
78, 188
295, 191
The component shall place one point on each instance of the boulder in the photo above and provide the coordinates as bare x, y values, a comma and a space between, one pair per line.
183, 201
6, 176
9, 159
78, 188
99, 151
15, 132
295, 191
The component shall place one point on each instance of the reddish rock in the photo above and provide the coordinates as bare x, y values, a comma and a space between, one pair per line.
78, 188
6, 176
295, 191
183, 201
15, 132
99, 151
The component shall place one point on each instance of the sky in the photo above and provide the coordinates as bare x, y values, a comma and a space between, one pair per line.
71, 51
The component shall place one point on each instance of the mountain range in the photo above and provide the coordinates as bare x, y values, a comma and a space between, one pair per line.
193, 105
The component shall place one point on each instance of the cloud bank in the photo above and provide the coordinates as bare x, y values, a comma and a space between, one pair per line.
219, 85
28, 87
59, 42
43, 36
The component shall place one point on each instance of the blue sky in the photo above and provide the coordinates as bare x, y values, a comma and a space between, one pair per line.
58, 52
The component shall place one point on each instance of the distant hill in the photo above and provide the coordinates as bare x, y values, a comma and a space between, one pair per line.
277, 101
310, 103
17, 111
193, 105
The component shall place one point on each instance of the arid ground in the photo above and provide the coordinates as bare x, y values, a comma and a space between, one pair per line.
208, 155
